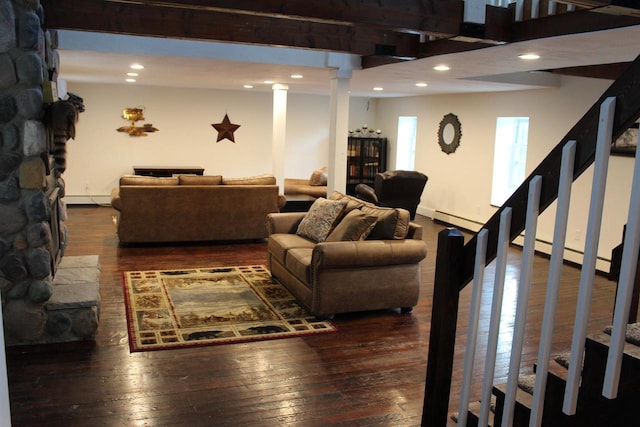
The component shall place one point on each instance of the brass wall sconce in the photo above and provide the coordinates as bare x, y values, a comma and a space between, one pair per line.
134, 115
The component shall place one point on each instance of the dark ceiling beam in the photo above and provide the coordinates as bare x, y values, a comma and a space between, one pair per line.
185, 23
633, 4
612, 7
440, 18
601, 71
581, 21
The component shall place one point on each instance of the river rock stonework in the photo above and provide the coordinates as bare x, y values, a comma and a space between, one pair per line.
32, 233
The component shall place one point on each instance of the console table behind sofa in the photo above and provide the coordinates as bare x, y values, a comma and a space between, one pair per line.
164, 171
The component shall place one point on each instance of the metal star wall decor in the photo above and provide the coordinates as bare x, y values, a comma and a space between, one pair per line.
226, 129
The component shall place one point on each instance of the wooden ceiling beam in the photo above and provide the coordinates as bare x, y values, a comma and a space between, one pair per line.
434, 17
589, 4
601, 71
581, 21
133, 18
577, 22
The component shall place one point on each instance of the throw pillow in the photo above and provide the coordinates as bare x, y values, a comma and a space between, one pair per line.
318, 222
265, 179
318, 177
200, 179
352, 202
148, 180
393, 223
356, 225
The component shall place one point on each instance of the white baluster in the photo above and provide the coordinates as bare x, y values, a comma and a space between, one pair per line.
625, 289
528, 252
553, 283
603, 148
496, 308
472, 331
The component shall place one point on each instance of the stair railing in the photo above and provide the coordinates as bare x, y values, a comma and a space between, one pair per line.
456, 263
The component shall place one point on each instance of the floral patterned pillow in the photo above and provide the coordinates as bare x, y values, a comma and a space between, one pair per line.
319, 221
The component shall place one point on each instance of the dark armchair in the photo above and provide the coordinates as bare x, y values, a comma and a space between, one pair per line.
396, 189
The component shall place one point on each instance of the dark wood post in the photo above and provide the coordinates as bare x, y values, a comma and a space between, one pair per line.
442, 338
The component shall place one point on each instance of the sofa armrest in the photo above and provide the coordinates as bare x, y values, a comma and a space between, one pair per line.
368, 253
284, 222
415, 231
115, 199
366, 193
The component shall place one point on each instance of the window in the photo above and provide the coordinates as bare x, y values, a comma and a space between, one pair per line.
406, 149
509, 158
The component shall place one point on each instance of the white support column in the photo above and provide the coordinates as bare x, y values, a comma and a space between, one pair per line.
475, 11
519, 10
279, 132
5, 407
338, 131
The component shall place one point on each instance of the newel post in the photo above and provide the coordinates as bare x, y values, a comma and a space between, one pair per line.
444, 315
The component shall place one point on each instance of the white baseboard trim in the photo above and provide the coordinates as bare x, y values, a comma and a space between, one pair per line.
571, 255
87, 200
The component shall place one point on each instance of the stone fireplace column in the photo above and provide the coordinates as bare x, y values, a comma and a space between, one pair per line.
27, 61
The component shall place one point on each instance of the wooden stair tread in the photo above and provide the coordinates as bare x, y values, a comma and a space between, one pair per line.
473, 414
630, 349
522, 397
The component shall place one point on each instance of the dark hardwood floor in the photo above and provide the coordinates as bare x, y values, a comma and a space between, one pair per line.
370, 373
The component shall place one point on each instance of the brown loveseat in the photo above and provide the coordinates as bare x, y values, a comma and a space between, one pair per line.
343, 273
194, 208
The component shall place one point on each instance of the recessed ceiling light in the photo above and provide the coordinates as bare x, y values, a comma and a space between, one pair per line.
421, 84
132, 74
131, 80
378, 88
442, 67
529, 56
248, 86
137, 66
269, 82
296, 76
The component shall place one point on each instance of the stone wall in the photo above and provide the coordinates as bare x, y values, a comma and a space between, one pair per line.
27, 171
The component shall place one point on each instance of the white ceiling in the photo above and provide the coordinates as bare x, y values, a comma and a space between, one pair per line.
103, 58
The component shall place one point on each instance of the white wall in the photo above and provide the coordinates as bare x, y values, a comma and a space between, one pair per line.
99, 155
460, 183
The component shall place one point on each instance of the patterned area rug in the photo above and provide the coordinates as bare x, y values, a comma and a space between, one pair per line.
205, 306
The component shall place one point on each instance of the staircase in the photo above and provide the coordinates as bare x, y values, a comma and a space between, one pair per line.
593, 409
604, 392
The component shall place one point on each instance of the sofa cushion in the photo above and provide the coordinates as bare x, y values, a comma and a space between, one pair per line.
321, 218
356, 225
298, 262
393, 223
148, 180
352, 202
265, 179
318, 177
199, 179
280, 243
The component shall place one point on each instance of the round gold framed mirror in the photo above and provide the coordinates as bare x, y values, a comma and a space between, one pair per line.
449, 133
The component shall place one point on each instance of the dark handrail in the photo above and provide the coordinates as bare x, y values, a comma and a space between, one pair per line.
626, 90
454, 266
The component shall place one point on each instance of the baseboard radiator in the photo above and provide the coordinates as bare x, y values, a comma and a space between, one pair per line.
571, 255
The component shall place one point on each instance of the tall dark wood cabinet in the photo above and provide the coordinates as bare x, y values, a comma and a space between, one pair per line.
365, 158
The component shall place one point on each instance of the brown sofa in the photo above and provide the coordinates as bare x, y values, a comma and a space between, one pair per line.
315, 186
194, 208
330, 277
